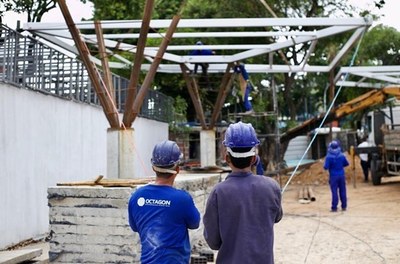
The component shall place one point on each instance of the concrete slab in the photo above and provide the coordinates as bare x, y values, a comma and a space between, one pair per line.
19, 255
44, 257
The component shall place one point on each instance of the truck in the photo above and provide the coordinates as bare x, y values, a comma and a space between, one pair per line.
383, 129
384, 132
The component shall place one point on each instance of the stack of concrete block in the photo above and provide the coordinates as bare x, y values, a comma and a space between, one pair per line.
90, 224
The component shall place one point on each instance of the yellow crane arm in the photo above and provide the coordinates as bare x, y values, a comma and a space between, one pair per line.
369, 99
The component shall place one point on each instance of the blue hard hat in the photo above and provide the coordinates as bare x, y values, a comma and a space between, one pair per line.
166, 154
240, 135
334, 144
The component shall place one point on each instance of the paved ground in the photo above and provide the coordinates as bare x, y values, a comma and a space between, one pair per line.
368, 232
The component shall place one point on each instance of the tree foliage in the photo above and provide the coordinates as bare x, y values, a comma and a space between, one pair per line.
381, 46
300, 95
35, 9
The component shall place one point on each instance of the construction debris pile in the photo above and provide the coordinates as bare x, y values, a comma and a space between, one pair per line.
316, 175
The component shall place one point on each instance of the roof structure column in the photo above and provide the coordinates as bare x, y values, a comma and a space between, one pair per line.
207, 148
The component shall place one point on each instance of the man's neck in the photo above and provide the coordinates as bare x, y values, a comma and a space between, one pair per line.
165, 182
247, 169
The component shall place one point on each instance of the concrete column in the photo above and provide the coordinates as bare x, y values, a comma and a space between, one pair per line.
120, 153
207, 148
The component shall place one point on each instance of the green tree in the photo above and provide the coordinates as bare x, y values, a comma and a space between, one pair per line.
294, 98
380, 46
35, 9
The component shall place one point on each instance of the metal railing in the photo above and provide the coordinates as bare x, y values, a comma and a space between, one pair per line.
28, 63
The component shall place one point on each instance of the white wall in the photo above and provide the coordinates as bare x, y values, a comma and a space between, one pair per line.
45, 140
147, 134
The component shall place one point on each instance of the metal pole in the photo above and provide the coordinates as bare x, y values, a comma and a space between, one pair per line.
277, 139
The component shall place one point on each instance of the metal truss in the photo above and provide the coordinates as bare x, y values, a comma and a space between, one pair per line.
271, 35
368, 76
277, 34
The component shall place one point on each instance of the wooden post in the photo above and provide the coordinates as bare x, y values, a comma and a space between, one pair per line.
311, 194
104, 60
134, 79
105, 101
222, 94
353, 165
153, 68
303, 195
194, 95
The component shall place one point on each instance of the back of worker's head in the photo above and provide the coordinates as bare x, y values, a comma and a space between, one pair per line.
241, 143
166, 157
334, 147
334, 144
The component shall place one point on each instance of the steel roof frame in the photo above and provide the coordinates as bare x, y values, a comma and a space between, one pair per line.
368, 76
58, 34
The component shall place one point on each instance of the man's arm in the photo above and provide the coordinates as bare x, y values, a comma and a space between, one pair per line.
211, 223
279, 197
326, 164
192, 214
132, 222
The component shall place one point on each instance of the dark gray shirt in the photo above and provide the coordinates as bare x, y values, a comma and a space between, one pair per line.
239, 218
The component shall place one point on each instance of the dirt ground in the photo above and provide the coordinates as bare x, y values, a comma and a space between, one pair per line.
368, 232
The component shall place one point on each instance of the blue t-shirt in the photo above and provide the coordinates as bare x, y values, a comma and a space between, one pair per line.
162, 216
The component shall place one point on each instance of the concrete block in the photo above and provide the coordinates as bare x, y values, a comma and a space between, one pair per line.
89, 192
18, 256
131, 239
87, 258
89, 220
89, 202
85, 211
90, 224
90, 230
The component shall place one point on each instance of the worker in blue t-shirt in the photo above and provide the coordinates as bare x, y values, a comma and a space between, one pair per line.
162, 214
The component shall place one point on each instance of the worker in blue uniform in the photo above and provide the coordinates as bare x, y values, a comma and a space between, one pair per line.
249, 87
162, 214
242, 210
201, 52
335, 162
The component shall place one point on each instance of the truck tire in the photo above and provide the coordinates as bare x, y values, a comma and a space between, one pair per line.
376, 175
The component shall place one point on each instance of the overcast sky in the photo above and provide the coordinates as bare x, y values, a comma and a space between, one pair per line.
79, 10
